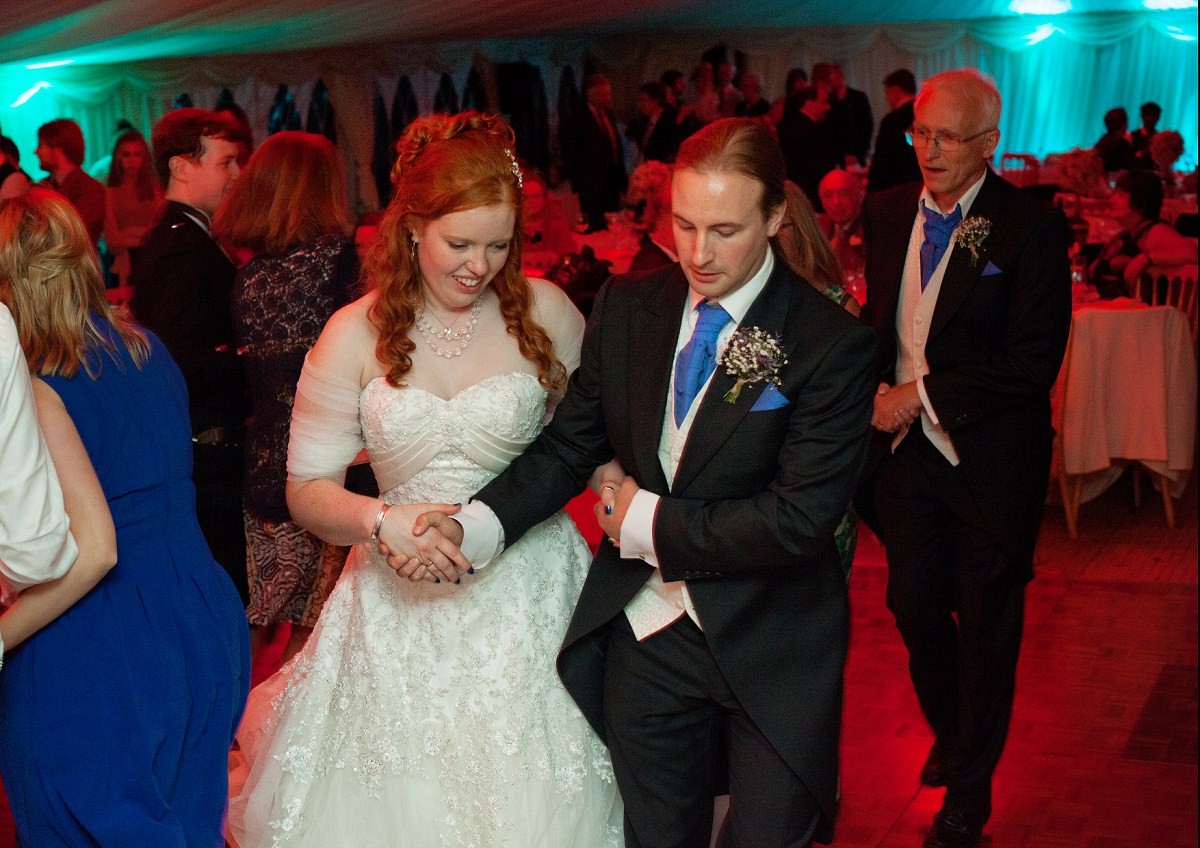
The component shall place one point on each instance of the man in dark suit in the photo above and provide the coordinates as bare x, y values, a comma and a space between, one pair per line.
895, 161
809, 147
655, 133
599, 175
849, 114
972, 319
182, 285
712, 626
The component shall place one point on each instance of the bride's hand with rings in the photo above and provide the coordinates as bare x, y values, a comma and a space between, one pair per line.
430, 556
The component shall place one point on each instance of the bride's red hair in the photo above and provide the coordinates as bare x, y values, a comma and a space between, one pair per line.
444, 164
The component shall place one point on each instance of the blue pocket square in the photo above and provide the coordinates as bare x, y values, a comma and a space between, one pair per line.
771, 398
991, 270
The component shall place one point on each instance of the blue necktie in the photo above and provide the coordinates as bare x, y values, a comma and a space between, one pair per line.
938, 231
698, 359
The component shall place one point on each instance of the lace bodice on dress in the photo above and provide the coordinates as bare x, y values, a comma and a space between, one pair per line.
425, 448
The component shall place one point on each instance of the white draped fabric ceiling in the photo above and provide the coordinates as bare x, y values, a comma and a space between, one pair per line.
130, 58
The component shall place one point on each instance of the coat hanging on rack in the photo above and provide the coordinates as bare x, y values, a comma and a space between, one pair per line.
381, 151
446, 99
473, 94
320, 113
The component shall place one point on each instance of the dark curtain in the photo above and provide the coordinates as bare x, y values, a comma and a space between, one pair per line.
320, 113
381, 153
570, 105
523, 102
473, 94
283, 112
446, 100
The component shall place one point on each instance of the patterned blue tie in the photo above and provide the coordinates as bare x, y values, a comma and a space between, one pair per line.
938, 232
698, 359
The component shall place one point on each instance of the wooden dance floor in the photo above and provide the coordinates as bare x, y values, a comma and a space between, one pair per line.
1102, 752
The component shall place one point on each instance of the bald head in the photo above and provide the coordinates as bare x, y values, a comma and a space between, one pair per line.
841, 194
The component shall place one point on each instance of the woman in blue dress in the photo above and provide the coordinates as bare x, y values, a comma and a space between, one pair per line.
122, 686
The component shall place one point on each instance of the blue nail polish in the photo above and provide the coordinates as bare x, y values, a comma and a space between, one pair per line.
437, 580
456, 582
608, 510
458, 504
471, 570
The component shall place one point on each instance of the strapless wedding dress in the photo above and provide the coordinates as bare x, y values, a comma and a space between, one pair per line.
425, 715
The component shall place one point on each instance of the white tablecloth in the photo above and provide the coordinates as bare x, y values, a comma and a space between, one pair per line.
1127, 393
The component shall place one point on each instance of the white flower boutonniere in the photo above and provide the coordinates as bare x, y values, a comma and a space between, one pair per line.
971, 233
751, 355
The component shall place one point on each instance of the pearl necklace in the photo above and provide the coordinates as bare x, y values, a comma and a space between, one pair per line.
458, 339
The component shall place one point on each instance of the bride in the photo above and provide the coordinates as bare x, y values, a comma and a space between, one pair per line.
426, 712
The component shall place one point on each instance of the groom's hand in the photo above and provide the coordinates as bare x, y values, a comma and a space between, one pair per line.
437, 538
614, 503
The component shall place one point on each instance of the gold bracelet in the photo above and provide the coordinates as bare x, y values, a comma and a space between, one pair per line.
383, 511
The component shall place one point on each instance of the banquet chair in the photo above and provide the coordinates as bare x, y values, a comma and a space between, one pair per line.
1171, 286
1020, 169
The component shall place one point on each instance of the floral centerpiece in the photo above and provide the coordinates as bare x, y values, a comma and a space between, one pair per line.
1165, 148
1082, 172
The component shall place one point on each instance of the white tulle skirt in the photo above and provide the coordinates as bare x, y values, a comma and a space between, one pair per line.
430, 716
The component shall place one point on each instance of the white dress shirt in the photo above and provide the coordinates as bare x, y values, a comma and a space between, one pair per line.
35, 545
658, 604
915, 316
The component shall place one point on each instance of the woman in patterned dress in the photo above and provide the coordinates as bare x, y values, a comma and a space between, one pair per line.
288, 209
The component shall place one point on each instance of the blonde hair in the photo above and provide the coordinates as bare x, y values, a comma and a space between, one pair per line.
50, 280
451, 163
741, 146
291, 193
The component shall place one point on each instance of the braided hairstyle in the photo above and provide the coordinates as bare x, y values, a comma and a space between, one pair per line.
445, 164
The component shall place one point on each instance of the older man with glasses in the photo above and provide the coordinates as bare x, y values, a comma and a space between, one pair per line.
969, 293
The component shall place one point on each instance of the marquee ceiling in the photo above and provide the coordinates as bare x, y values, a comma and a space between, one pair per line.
132, 30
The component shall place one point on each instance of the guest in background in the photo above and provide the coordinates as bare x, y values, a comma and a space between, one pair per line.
1113, 147
548, 237
134, 201
797, 81
654, 133
13, 181
752, 104
600, 160
804, 135
706, 99
842, 196
849, 117
60, 153
675, 91
117, 711
289, 209
1144, 240
1150, 113
894, 161
971, 328
182, 285
674, 85
650, 190
728, 95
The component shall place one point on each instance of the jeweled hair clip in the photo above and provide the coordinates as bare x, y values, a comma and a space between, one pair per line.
516, 169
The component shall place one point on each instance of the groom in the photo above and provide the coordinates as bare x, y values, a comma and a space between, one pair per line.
713, 621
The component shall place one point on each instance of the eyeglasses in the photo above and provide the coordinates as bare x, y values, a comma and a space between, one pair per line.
946, 142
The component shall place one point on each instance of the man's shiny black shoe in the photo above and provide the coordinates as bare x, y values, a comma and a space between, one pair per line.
954, 830
933, 773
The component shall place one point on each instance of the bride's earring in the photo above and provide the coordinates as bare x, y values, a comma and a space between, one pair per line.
412, 249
